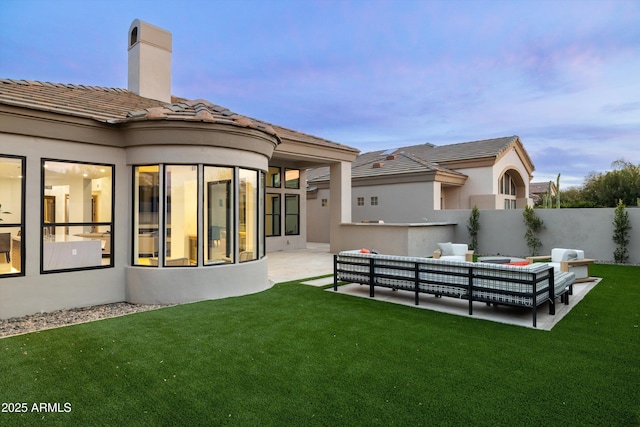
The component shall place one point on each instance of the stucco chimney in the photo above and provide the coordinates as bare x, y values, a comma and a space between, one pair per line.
149, 61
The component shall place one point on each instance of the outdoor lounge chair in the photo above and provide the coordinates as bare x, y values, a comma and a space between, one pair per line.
569, 260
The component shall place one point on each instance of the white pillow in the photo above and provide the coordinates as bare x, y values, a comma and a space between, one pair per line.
446, 249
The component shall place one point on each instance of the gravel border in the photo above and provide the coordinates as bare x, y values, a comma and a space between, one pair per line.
73, 316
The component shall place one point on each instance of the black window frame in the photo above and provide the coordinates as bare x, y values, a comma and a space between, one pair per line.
275, 218
287, 215
20, 226
44, 225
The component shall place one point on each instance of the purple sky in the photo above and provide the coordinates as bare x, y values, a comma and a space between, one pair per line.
563, 75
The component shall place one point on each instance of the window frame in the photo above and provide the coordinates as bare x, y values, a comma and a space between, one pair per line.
21, 225
507, 185
288, 215
201, 240
272, 216
43, 225
295, 182
256, 232
231, 213
165, 223
135, 231
271, 177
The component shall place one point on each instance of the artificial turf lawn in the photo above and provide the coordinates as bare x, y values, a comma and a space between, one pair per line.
299, 355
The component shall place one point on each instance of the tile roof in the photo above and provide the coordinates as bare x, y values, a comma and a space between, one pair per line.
114, 105
461, 151
294, 135
383, 165
541, 187
420, 158
111, 105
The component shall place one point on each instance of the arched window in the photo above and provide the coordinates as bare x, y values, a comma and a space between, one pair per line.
507, 185
134, 36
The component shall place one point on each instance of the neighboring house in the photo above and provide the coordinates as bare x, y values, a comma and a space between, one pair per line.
404, 185
110, 195
538, 191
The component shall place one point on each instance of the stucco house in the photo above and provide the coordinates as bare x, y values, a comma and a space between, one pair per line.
110, 194
539, 190
405, 184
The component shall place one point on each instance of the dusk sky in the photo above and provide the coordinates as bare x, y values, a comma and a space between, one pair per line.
563, 75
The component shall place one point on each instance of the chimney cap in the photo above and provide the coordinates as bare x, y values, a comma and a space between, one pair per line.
143, 32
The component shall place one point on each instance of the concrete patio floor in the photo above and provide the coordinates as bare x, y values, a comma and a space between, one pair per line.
316, 260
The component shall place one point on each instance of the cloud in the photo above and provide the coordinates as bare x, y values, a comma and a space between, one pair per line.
627, 107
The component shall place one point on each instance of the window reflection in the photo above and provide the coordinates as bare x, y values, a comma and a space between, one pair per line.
292, 178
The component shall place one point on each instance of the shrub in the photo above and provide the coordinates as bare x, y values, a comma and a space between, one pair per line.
621, 233
534, 226
473, 227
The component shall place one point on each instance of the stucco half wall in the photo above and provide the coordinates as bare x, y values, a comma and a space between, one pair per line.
177, 285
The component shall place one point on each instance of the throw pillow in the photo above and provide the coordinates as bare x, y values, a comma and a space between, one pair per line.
571, 255
365, 251
446, 249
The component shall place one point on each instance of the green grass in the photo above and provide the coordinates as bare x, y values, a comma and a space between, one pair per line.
299, 355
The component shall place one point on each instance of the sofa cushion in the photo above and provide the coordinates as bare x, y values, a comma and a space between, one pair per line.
446, 249
460, 249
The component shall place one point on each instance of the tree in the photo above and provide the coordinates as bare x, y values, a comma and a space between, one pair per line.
534, 226
621, 233
622, 183
573, 198
474, 227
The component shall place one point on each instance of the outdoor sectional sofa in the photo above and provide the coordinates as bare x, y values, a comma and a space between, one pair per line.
523, 286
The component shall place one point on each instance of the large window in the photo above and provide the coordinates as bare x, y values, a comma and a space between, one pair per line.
181, 215
272, 221
292, 214
77, 215
189, 215
12, 188
219, 214
146, 224
248, 215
